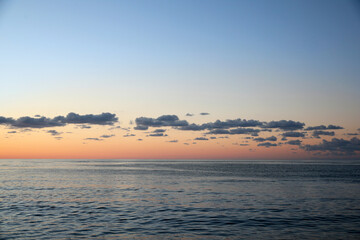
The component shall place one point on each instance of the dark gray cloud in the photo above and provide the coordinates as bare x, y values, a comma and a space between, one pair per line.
54, 132
267, 144
189, 115
336, 146
159, 130
12, 132
83, 126
272, 138
59, 121
212, 137
107, 136
323, 127
260, 139
4, 120
219, 131
293, 134
30, 122
204, 113
156, 135
173, 141
162, 121
317, 133
99, 119
129, 135
201, 138
139, 139
286, 125
253, 132
140, 127
232, 124
294, 142
222, 125
94, 139
116, 127
352, 134
192, 127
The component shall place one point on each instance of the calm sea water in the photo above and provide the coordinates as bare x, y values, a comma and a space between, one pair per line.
159, 199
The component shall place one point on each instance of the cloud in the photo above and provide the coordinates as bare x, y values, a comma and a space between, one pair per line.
159, 130
139, 139
129, 135
317, 133
352, 134
94, 139
162, 121
212, 137
192, 127
219, 131
12, 132
116, 127
141, 128
294, 142
30, 122
272, 138
54, 132
323, 127
285, 125
204, 113
99, 119
221, 125
83, 126
232, 124
201, 139
336, 146
267, 144
59, 121
293, 134
189, 115
156, 135
107, 136
173, 141
4, 120
253, 132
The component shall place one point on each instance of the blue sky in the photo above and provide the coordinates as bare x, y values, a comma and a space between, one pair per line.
266, 60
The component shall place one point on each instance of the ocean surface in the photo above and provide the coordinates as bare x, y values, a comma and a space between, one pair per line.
172, 199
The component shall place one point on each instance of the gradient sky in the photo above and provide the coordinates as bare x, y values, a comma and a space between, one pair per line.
263, 60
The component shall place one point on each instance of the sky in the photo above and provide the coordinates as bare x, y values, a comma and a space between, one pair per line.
180, 79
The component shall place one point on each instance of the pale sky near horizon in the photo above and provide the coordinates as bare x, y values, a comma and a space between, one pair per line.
263, 60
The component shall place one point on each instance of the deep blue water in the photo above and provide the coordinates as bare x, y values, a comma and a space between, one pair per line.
159, 199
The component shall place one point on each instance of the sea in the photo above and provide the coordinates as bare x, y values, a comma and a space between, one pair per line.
179, 199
